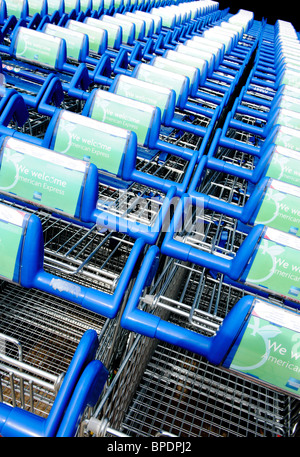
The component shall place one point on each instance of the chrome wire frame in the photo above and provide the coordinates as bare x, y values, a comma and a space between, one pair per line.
39, 334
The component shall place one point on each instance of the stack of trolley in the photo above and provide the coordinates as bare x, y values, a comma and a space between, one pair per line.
141, 194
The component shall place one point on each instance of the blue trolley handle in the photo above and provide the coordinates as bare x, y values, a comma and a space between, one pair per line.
243, 214
256, 151
52, 97
14, 108
242, 109
86, 393
255, 130
220, 165
228, 142
34, 276
84, 354
231, 267
213, 348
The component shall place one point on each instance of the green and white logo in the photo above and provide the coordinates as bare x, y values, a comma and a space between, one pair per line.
37, 47
270, 347
285, 166
275, 266
124, 113
87, 139
41, 176
280, 207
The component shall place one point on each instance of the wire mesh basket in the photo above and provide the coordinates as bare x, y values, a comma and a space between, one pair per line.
78, 258
42, 333
181, 394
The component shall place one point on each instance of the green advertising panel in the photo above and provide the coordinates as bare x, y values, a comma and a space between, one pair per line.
84, 5
219, 37
288, 138
108, 4
41, 176
169, 65
288, 118
11, 236
276, 267
139, 24
53, 5
146, 19
127, 27
112, 29
74, 40
291, 77
37, 47
190, 50
167, 18
87, 139
292, 92
280, 207
35, 6
15, 8
96, 5
291, 103
95, 35
70, 5
234, 28
125, 113
285, 166
182, 58
269, 349
151, 94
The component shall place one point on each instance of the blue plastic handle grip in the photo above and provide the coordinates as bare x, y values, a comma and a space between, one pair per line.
222, 166
232, 267
86, 393
33, 275
84, 354
214, 348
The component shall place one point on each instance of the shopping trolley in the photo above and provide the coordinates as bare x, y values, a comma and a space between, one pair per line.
198, 81
145, 119
260, 124
20, 11
282, 52
270, 201
166, 39
26, 118
174, 392
285, 74
35, 69
208, 320
286, 97
251, 259
89, 267
157, 74
35, 93
250, 139
99, 31
55, 361
129, 194
270, 160
192, 27
102, 144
